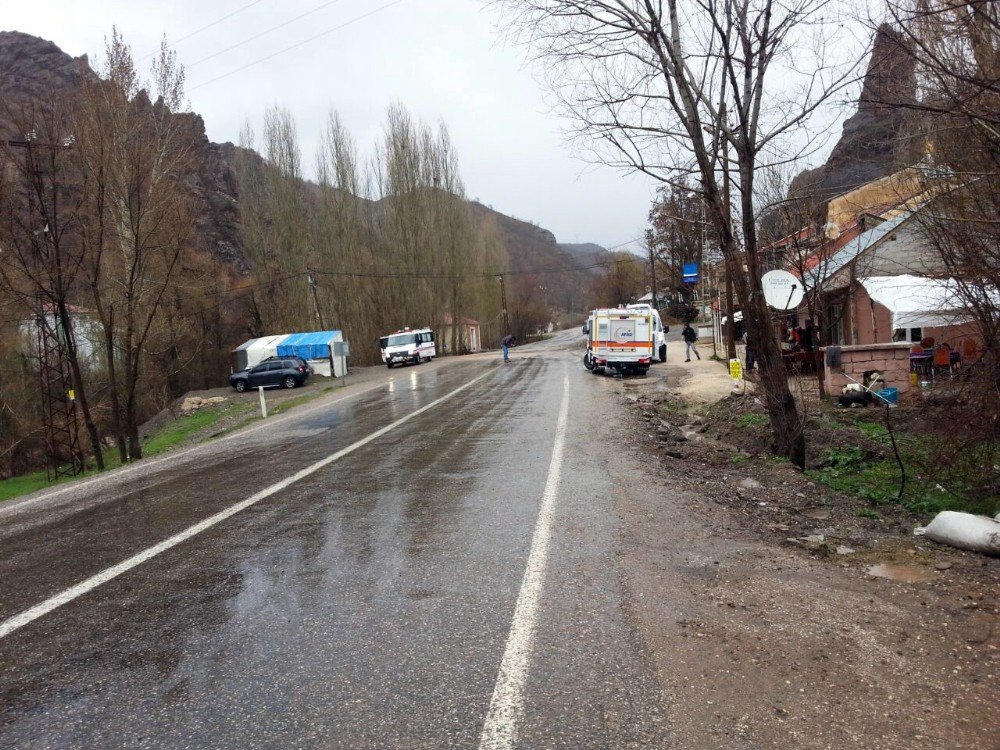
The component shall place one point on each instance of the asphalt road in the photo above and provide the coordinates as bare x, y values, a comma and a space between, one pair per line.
427, 562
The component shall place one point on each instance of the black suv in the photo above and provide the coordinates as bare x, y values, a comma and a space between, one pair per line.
273, 372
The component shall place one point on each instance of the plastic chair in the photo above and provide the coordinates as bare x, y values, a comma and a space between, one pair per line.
942, 360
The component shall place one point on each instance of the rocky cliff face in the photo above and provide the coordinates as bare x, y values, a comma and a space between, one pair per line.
883, 135
34, 72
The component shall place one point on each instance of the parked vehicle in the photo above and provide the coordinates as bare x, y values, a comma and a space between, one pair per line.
408, 346
620, 340
273, 372
660, 331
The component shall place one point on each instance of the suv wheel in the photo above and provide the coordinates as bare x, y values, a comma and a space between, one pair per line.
289, 382
663, 352
241, 386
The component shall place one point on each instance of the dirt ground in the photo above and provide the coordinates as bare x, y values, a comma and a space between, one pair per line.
756, 591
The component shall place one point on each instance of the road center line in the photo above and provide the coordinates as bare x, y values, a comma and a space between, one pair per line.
11, 624
506, 707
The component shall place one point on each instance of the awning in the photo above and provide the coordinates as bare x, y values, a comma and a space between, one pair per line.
312, 345
919, 302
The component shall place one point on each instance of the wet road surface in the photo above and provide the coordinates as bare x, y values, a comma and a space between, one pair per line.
368, 604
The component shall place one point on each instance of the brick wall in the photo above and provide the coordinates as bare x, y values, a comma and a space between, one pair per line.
892, 360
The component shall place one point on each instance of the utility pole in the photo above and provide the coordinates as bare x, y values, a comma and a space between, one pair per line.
58, 392
652, 273
312, 288
503, 301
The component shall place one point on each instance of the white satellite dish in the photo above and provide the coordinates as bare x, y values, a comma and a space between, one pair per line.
782, 290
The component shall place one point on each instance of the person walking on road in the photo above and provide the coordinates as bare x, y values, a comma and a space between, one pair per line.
690, 337
505, 344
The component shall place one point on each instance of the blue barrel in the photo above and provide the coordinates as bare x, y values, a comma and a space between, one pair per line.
889, 395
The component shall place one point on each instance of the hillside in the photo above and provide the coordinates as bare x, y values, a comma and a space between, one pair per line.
36, 74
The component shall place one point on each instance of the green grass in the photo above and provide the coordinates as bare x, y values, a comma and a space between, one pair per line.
23, 485
752, 420
174, 434
739, 459
874, 431
182, 428
39, 480
875, 479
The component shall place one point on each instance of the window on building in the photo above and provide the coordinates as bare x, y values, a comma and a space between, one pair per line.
835, 324
913, 335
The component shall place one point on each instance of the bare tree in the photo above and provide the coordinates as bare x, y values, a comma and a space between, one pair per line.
135, 154
702, 87
40, 220
677, 236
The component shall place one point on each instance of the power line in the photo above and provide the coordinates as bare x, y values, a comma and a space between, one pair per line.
477, 274
298, 44
216, 22
262, 33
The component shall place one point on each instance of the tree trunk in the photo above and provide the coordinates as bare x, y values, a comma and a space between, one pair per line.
786, 424
78, 385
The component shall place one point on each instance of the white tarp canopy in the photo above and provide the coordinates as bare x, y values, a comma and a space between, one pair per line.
263, 348
737, 317
919, 302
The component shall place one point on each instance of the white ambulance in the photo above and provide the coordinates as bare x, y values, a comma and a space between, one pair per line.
408, 345
620, 340
660, 331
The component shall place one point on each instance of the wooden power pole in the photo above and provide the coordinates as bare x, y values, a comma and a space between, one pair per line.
503, 301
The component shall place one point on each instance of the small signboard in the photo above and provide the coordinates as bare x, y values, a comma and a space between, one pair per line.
735, 369
690, 273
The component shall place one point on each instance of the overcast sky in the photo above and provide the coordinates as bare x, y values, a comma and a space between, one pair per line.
442, 59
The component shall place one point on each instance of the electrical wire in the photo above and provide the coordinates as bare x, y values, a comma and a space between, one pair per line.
216, 22
262, 33
298, 44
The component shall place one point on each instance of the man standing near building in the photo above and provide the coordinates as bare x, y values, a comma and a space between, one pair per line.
505, 344
690, 337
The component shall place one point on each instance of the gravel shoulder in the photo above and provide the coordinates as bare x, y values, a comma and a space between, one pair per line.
752, 589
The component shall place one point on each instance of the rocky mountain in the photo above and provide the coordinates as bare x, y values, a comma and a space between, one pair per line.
883, 135
35, 73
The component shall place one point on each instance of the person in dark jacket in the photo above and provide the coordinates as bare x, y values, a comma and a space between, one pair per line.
505, 344
690, 337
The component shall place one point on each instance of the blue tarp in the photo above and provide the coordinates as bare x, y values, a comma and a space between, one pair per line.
315, 345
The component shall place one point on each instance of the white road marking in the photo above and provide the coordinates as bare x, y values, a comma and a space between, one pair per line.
145, 465
506, 707
11, 624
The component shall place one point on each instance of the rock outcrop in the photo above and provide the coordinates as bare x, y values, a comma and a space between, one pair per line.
35, 72
883, 135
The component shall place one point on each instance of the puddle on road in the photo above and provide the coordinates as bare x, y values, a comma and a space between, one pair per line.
902, 573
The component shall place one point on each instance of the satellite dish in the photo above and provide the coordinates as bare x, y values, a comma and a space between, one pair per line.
831, 230
782, 290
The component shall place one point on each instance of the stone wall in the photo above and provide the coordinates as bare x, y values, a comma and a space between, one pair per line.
892, 360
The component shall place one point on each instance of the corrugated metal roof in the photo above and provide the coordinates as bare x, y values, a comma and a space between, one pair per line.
859, 244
